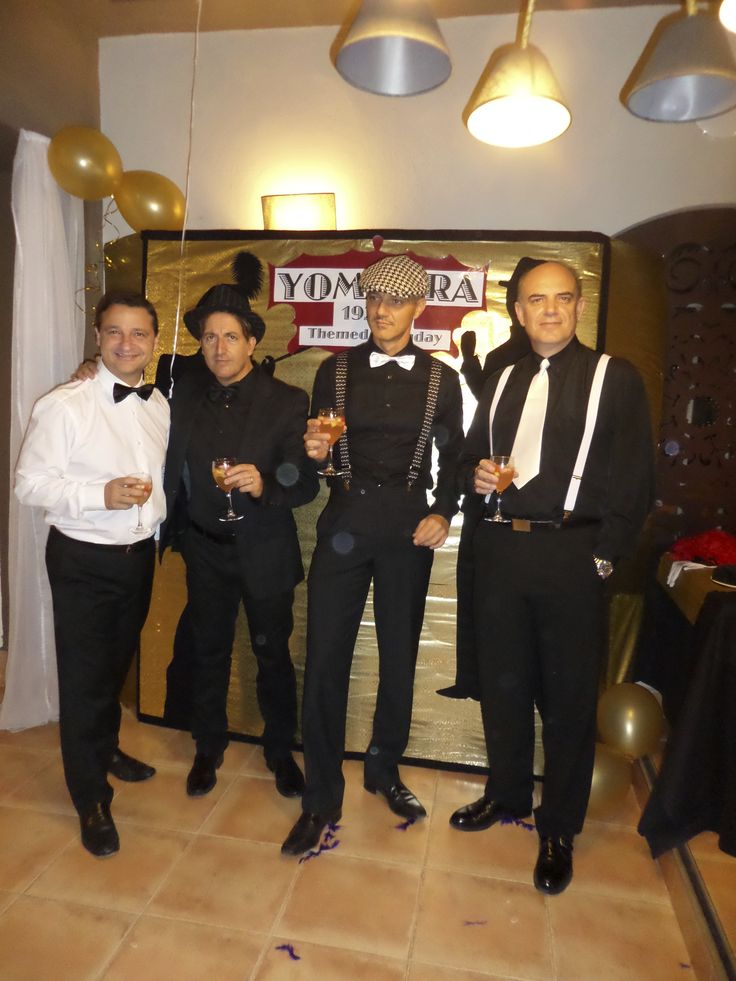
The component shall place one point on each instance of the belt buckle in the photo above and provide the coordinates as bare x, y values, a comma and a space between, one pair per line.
521, 524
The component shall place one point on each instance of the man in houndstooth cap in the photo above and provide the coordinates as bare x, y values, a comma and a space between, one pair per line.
377, 527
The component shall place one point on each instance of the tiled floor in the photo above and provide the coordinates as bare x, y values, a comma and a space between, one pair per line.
199, 889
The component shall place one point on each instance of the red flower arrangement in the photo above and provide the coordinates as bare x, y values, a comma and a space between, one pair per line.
710, 548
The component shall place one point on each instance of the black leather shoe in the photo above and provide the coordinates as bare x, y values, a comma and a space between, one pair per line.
553, 871
479, 815
307, 831
130, 770
400, 799
99, 834
289, 778
203, 775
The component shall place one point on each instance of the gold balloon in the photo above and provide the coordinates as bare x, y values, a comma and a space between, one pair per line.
630, 720
611, 781
150, 201
84, 162
123, 266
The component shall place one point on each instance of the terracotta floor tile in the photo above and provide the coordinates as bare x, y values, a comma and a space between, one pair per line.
29, 841
37, 738
368, 829
455, 789
617, 862
505, 851
41, 939
145, 741
163, 802
180, 749
348, 902
613, 939
225, 882
44, 790
252, 808
248, 759
318, 963
18, 765
627, 813
431, 972
720, 881
6, 898
705, 845
157, 948
124, 882
482, 924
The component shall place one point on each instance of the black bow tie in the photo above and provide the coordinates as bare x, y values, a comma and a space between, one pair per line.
120, 392
222, 393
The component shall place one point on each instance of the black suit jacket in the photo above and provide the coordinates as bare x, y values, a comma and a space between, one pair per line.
272, 440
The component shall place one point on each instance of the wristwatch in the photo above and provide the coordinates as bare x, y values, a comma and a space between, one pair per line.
603, 567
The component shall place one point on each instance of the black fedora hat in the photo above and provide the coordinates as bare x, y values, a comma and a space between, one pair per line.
232, 298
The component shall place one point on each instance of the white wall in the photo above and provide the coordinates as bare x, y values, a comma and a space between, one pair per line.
272, 115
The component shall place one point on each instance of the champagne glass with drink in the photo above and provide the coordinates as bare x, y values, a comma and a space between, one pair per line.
505, 471
147, 482
331, 422
220, 467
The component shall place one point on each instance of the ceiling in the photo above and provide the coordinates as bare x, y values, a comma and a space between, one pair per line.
106, 18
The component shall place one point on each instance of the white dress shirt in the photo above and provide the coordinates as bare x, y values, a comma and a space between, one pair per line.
78, 440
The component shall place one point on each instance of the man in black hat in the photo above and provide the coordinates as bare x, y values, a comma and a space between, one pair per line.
244, 414
377, 526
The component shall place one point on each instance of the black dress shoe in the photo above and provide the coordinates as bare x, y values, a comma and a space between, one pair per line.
479, 815
553, 871
203, 775
99, 834
130, 770
289, 778
400, 799
307, 831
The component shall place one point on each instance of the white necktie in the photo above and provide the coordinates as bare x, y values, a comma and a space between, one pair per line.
405, 361
527, 449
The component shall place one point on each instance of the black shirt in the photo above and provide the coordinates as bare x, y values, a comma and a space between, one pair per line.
618, 480
384, 413
216, 432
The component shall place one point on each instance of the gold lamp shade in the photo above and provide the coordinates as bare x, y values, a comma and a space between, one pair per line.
686, 72
517, 101
299, 212
394, 47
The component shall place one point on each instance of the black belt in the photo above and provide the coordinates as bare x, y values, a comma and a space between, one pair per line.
137, 546
530, 524
227, 539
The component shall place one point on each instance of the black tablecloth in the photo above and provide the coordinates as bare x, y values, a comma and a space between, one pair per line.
696, 788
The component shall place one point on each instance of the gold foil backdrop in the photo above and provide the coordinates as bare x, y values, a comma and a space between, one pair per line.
444, 730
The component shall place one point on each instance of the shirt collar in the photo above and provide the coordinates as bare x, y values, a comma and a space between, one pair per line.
107, 380
408, 348
561, 358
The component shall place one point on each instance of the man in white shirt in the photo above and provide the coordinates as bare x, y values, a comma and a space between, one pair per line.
93, 450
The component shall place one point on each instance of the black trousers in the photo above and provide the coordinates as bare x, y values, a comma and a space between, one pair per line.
215, 588
340, 575
101, 597
540, 634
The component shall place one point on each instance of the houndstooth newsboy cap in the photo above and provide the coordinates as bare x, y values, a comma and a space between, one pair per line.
397, 275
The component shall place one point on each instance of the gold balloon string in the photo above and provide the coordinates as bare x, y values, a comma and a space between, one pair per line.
111, 206
180, 287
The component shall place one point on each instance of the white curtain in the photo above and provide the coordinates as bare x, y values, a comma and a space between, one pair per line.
48, 339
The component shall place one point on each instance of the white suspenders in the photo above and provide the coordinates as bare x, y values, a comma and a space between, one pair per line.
594, 401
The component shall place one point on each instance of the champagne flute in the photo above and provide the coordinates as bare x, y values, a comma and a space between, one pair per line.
146, 480
505, 470
331, 422
220, 467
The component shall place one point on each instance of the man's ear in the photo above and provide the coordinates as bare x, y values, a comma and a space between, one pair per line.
97, 336
519, 313
419, 308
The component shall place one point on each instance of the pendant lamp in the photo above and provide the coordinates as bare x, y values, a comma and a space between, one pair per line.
687, 70
394, 47
517, 101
